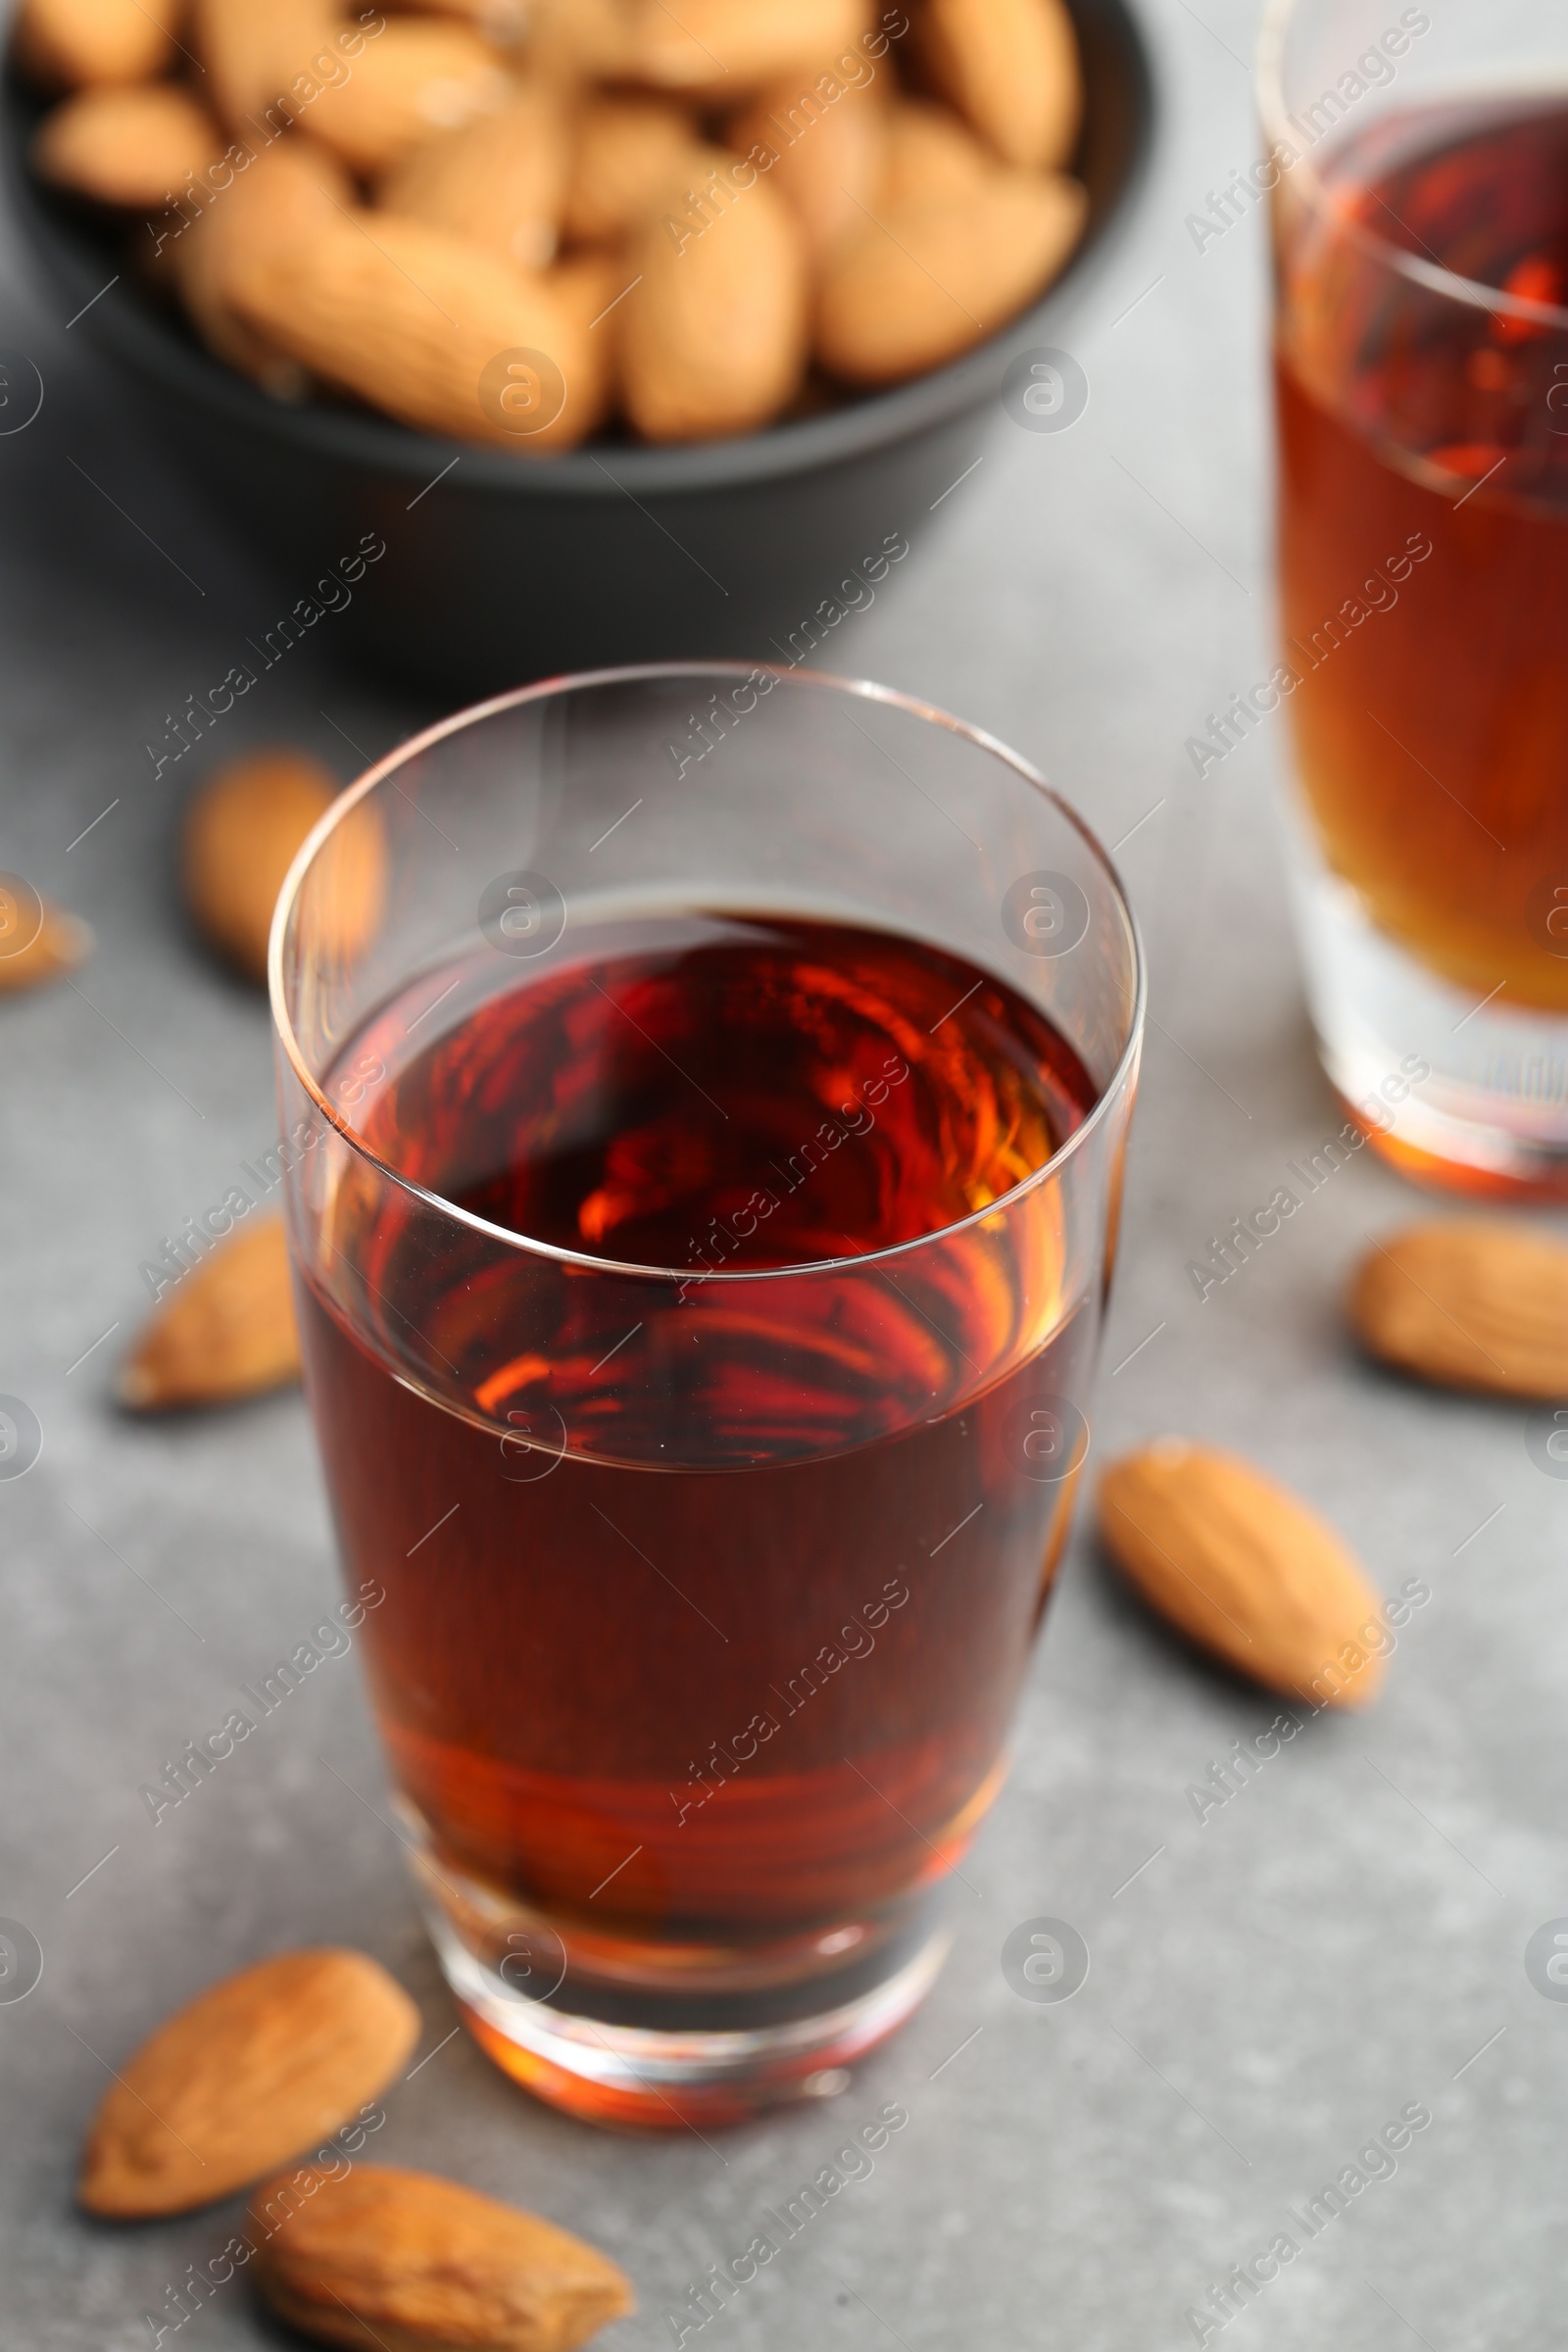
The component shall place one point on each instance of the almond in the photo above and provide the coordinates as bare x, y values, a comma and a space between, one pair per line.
78, 44
1244, 1569
241, 834
587, 285
225, 1331
927, 151
503, 22
421, 322
628, 154
421, 75
1468, 1306
571, 41
713, 338
926, 280
500, 182
126, 145
253, 2070
380, 2256
827, 150
254, 57
1010, 67
291, 191
717, 48
38, 942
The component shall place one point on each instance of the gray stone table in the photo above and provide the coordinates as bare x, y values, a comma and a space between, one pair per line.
1269, 1986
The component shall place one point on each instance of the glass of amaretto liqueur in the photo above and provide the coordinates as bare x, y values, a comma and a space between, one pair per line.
1420, 209
719, 1081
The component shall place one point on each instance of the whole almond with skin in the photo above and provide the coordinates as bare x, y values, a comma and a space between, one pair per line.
1010, 67
503, 22
130, 146
254, 56
828, 137
576, 40
500, 181
227, 1330
241, 832
419, 322
928, 279
1244, 1569
718, 48
421, 75
266, 2063
627, 153
1468, 1306
586, 284
81, 44
927, 151
713, 338
243, 829
38, 942
292, 190
380, 2256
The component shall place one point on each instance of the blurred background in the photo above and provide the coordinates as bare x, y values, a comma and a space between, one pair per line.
1269, 1986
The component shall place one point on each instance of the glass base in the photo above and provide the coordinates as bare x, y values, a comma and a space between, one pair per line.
650, 2035
640, 2079
1465, 1095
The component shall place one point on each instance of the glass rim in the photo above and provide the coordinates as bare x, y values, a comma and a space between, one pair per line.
568, 682
1278, 126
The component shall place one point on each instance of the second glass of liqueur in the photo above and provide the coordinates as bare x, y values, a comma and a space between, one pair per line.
1419, 162
707, 1094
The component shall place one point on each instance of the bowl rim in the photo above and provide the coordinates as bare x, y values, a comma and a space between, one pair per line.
160, 349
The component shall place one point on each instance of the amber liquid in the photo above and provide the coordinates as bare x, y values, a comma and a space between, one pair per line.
764, 1694
1423, 528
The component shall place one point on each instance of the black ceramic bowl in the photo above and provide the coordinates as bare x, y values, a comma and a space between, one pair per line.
501, 569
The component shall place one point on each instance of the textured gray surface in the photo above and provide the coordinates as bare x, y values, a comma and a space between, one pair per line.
1276, 1984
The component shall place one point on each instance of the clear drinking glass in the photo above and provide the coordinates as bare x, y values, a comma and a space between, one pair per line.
709, 1583
1418, 162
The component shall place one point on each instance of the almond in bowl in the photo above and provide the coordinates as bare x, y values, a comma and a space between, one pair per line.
733, 172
